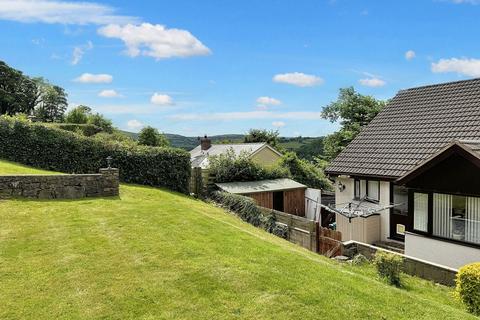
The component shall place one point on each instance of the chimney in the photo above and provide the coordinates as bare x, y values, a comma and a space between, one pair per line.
206, 143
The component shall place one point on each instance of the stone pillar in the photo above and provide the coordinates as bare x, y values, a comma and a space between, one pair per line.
110, 181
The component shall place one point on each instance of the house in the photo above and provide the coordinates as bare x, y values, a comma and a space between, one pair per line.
262, 153
283, 195
412, 175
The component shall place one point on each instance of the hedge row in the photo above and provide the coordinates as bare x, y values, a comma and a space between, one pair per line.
86, 129
54, 149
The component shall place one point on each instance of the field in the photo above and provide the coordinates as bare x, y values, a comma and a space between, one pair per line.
154, 254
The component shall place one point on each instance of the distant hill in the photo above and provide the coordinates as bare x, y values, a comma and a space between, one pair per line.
305, 147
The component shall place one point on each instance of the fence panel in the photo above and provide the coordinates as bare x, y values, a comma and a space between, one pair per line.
329, 242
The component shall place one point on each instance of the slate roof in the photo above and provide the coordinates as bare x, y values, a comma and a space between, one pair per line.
415, 124
199, 157
260, 186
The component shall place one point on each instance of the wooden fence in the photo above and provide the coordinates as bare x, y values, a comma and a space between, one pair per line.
301, 231
329, 242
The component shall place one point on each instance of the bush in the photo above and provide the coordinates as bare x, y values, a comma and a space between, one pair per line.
228, 167
305, 172
243, 206
389, 266
468, 287
50, 148
359, 260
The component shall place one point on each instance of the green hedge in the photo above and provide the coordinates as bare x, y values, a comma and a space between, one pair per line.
49, 148
86, 129
468, 287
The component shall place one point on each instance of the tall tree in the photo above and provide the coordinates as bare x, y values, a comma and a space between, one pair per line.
53, 103
17, 91
78, 115
151, 137
354, 111
260, 135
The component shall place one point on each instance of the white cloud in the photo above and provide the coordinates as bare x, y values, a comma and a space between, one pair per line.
155, 40
298, 79
410, 54
94, 78
278, 124
264, 102
79, 51
373, 82
161, 99
463, 66
62, 12
247, 115
134, 125
109, 93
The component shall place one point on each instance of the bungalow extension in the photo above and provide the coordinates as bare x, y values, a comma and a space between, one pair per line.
412, 176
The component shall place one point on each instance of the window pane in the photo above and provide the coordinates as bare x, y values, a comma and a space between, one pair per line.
420, 211
472, 223
372, 191
357, 189
442, 215
400, 200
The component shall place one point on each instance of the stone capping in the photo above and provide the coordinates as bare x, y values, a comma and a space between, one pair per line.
61, 186
413, 266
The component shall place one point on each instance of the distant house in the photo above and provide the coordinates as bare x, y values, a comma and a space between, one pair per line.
260, 152
412, 175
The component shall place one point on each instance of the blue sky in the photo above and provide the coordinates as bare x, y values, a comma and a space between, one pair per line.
212, 67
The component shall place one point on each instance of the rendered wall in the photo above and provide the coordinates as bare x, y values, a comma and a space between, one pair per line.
442, 252
266, 157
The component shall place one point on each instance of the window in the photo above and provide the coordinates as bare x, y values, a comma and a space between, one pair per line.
400, 200
357, 189
373, 190
456, 217
420, 211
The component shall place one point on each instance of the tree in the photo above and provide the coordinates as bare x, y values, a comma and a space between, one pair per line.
78, 115
17, 91
100, 121
261, 135
305, 172
354, 112
151, 137
53, 104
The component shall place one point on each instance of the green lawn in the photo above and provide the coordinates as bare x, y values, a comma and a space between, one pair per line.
154, 254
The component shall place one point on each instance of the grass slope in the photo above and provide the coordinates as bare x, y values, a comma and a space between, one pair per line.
154, 254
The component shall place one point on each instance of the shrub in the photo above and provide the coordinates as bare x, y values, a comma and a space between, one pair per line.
359, 260
389, 266
228, 167
468, 287
305, 172
243, 206
54, 149
87, 130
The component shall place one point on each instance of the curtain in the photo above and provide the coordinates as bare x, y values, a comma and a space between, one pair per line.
442, 215
472, 223
420, 212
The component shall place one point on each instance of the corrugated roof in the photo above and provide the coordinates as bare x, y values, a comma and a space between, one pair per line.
415, 124
199, 157
260, 186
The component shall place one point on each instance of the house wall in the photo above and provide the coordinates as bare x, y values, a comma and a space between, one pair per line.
361, 229
342, 198
266, 157
441, 252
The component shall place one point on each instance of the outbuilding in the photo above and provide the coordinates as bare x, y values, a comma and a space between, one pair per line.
284, 195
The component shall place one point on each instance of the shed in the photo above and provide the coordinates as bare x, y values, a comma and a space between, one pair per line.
284, 195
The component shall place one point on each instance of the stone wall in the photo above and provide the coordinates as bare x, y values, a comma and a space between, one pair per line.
68, 186
413, 266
